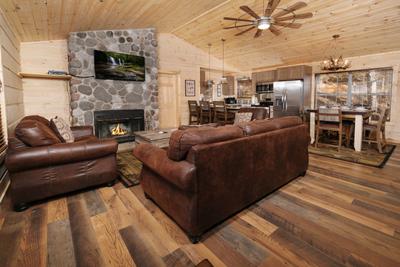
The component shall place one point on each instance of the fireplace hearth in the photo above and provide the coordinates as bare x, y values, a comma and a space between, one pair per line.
118, 124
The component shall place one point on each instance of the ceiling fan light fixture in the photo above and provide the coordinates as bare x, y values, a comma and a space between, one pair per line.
264, 23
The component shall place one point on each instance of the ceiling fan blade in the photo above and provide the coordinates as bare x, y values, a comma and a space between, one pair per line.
249, 11
249, 29
237, 19
258, 33
272, 5
290, 9
274, 30
296, 16
289, 25
238, 26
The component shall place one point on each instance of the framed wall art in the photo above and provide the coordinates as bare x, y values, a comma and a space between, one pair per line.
190, 88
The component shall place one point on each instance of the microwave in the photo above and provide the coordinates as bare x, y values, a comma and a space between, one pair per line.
264, 87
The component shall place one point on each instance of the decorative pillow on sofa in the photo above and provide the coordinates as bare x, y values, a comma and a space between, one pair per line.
62, 129
241, 117
34, 133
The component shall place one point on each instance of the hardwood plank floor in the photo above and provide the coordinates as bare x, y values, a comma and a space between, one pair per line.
339, 214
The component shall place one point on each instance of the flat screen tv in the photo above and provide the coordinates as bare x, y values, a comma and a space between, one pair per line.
118, 66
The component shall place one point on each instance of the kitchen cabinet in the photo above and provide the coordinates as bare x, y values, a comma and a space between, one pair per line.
262, 77
229, 87
293, 73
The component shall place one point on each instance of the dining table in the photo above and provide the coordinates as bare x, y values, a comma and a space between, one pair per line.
356, 115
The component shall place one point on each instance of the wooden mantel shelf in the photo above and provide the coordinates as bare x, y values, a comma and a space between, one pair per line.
44, 76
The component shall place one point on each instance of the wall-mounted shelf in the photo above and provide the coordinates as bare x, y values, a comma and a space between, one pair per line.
44, 76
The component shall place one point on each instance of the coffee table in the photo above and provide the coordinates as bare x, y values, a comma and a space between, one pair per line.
158, 138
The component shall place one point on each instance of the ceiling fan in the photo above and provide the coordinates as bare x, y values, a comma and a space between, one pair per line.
285, 17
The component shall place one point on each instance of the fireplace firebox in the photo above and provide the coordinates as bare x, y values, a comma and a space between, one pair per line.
118, 124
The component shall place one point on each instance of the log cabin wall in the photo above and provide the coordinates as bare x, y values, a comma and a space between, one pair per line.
39, 94
11, 91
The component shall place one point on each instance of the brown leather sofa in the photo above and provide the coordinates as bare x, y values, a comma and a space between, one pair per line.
41, 165
208, 174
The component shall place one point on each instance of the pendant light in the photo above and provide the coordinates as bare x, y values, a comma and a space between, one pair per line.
209, 81
223, 78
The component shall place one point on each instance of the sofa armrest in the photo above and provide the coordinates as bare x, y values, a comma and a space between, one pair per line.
82, 131
180, 173
58, 154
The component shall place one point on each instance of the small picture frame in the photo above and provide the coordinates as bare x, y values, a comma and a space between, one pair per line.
219, 90
190, 88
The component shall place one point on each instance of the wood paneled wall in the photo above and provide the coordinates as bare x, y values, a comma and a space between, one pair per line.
48, 98
12, 93
178, 55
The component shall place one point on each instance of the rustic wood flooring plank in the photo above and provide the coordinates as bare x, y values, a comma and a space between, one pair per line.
10, 237
143, 254
199, 252
57, 210
178, 258
119, 214
33, 246
111, 244
86, 248
146, 220
249, 249
226, 253
60, 249
94, 202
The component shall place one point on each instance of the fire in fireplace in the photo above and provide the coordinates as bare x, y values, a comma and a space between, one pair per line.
118, 130
118, 124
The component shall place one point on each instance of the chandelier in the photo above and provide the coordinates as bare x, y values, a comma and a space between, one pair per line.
335, 62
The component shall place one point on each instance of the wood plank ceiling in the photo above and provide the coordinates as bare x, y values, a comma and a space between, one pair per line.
365, 26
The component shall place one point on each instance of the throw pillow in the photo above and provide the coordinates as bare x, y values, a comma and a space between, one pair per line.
241, 117
62, 129
34, 133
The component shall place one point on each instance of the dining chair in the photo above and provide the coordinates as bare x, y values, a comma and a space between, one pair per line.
221, 113
329, 119
376, 129
205, 112
194, 112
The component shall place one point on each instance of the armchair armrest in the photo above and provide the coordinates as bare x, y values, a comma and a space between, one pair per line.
58, 154
180, 173
82, 131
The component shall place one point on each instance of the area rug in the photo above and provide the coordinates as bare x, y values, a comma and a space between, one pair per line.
368, 156
128, 168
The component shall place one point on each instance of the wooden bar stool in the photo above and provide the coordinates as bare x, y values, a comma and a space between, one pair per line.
221, 113
205, 112
194, 112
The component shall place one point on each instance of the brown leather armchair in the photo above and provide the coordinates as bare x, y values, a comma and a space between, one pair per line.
44, 166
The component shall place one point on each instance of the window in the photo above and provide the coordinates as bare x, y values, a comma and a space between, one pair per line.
368, 88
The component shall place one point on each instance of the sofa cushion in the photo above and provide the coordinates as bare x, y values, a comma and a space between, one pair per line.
61, 128
182, 140
263, 126
34, 133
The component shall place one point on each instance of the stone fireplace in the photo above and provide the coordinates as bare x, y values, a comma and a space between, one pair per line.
118, 124
90, 95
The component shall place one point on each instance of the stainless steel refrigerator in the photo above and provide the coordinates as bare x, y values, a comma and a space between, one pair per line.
290, 98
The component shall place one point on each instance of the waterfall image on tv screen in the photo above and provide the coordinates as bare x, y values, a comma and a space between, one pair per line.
118, 66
